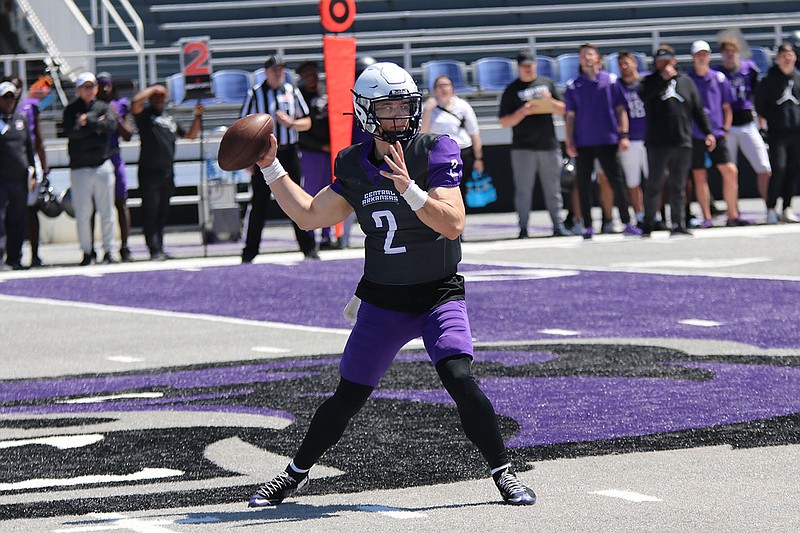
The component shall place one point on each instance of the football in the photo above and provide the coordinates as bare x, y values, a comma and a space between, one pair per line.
245, 141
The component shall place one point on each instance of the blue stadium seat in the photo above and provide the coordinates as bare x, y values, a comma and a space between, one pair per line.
546, 66
494, 73
455, 70
762, 58
231, 86
612, 65
175, 86
568, 67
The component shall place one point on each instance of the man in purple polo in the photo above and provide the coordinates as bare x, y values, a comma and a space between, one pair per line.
744, 133
597, 128
715, 91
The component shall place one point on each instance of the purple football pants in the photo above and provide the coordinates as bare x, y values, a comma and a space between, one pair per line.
380, 333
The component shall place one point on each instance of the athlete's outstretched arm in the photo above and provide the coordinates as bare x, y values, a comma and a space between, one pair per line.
442, 211
325, 209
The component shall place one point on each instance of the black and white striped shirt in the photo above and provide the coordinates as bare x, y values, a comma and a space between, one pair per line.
264, 99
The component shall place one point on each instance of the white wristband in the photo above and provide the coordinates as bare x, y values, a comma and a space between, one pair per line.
273, 172
415, 196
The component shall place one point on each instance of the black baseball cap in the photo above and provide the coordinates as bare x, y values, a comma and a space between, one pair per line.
307, 64
663, 53
274, 61
525, 58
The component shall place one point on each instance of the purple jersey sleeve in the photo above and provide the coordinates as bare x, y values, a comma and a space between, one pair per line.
444, 164
618, 93
727, 90
569, 98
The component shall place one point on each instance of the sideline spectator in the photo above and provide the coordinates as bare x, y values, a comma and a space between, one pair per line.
634, 159
283, 101
30, 107
715, 92
671, 102
448, 114
597, 128
16, 153
744, 133
88, 123
315, 143
158, 132
778, 102
527, 107
107, 92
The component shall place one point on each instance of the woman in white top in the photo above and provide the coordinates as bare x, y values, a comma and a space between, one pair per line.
448, 114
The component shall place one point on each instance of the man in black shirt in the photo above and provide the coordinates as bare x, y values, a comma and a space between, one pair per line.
16, 154
671, 102
157, 134
527, 106
88, 123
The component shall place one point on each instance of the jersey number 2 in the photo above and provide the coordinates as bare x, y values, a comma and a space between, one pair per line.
378, 217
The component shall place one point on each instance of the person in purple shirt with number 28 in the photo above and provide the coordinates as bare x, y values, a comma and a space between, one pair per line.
597, 128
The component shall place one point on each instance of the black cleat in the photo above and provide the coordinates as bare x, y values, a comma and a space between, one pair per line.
277, 490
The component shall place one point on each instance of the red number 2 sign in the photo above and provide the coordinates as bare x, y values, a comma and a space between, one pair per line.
198, 65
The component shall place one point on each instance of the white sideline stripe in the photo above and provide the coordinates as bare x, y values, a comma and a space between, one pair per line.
393, 512
696, 262
145, 473
699, 322
124, 359
269, 349
173, 314
62, 442
101, 399
556, 331
626, 495
119, 522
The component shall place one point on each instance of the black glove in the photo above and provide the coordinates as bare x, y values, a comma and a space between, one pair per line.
764, 135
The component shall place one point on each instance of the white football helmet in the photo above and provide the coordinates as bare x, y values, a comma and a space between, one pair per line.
386, 81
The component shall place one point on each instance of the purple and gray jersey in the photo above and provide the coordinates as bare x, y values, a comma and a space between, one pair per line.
637, 121
594, 103
30, 106
121, 107
715, 90
743, 84
399, 248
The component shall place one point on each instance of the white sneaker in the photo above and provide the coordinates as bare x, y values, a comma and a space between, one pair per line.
772, 216
789, 216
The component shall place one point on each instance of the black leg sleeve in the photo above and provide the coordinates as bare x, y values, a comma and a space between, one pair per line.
477, 414
330, 421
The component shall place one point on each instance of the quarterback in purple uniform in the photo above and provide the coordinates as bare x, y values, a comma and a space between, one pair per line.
744, 133
715, 91
404, 190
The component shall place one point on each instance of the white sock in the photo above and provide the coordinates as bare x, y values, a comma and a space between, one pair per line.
298, 470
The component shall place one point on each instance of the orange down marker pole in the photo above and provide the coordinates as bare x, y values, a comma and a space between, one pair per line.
340, 71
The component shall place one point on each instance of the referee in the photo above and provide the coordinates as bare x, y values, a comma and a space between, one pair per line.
283, 101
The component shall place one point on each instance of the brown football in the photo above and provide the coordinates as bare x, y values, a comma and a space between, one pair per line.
245, 141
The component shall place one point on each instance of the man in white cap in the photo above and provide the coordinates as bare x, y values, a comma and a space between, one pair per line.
717, 96
88, 123
16, 154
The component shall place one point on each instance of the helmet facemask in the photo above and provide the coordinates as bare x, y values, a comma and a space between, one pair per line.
406, 122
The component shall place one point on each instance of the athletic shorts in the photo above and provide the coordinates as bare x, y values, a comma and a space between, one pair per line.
634, 163
120, 176
719, 156
380, 333
747, 139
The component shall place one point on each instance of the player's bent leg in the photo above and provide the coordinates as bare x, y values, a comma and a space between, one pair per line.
480, 425
327, 427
